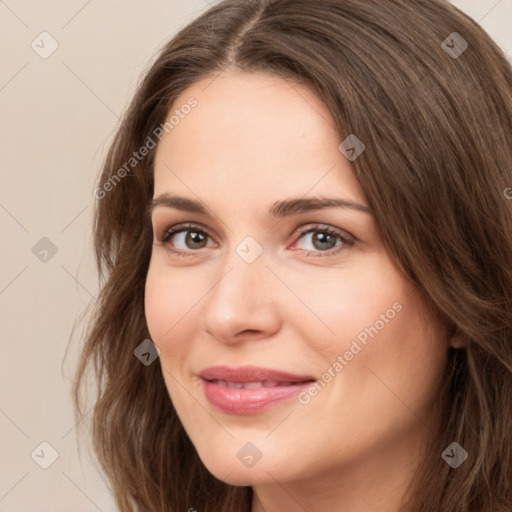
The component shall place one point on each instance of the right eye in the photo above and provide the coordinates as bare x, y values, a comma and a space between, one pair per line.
184, 239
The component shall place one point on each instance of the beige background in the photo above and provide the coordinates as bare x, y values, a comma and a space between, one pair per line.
57, 116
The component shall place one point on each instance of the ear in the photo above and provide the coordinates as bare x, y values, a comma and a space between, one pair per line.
456, 338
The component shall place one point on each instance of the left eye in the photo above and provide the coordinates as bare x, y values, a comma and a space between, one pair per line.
323, 239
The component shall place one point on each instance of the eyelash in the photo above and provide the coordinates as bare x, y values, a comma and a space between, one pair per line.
173, 230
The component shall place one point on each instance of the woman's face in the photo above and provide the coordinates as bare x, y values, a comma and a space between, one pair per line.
257, 307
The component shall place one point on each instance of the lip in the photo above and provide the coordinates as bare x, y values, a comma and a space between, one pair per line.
277, 386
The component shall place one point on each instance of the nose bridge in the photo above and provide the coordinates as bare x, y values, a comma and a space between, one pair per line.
241, 298
244, 270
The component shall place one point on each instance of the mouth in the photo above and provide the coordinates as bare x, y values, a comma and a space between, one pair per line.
253, 385
250, 390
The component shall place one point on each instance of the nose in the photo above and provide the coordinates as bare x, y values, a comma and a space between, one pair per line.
242, 305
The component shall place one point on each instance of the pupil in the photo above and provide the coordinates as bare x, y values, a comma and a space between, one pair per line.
323, 238
195, 238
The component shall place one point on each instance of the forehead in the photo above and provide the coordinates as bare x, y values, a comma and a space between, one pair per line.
256, 136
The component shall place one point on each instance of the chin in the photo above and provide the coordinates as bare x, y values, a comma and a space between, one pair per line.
230, 470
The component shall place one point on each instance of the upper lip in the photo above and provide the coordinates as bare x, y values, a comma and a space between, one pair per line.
251, 374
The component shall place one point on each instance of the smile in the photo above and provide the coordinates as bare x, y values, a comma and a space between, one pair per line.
250, 389
252, 385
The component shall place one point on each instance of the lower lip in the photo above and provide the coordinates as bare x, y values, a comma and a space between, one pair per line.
249, 401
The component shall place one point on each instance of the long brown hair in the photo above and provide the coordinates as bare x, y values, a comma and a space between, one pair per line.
434, 110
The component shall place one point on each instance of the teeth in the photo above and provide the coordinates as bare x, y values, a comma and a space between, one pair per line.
251, 385
232, 385
271, 383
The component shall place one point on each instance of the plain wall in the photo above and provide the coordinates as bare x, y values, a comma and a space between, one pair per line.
57, 116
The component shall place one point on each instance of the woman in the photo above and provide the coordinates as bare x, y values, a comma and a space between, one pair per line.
306, 244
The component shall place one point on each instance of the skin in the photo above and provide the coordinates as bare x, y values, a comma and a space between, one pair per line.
252, 140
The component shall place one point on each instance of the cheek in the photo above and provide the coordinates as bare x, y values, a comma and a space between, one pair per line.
169, 307
403, 359
353, 301
379, 325
157, 306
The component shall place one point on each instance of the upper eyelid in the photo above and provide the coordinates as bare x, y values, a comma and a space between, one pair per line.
186, 226
199, 226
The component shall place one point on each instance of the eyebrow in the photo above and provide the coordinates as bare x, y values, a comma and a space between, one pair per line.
279, 209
